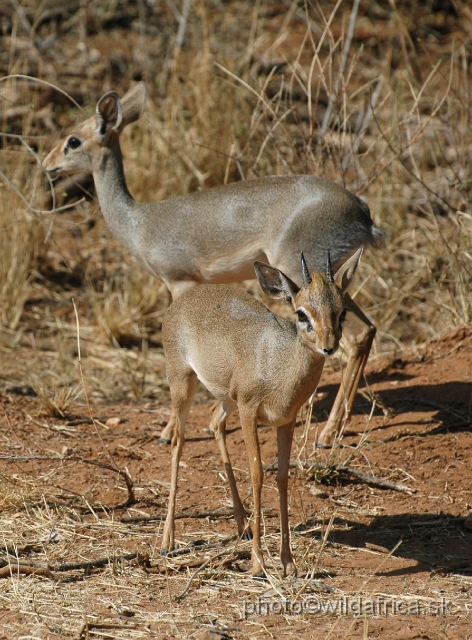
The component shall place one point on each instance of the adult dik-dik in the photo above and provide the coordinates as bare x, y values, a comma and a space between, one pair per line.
264, 365
215, 235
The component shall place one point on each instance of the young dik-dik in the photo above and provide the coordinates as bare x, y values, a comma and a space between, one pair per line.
264, 365
215, 235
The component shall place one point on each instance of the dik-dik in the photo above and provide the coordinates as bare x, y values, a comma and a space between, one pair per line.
215, 235
264, 365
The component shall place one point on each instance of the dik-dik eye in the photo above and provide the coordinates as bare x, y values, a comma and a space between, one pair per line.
73, 143
302, 317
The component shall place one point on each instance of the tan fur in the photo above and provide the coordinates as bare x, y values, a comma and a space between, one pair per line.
251, 359
215, 235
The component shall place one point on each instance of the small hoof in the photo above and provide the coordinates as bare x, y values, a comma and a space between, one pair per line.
247, 535
164, 552
290, 571
210, 431
322, 445
163, 441
260, 577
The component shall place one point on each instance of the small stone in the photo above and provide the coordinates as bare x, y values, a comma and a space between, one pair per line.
113, 422
316, 491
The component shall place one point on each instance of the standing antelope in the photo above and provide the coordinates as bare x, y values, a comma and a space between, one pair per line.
264, 365
215, 235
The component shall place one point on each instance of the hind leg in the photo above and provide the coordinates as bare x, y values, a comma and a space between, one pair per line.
183, 389
220, 412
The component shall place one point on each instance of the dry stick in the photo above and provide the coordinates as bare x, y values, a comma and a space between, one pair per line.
125, 474
213, 513
89, 626
181, 515
303, 16
365, 123
32, 209
26, 570
20, 76
323, 544
341, 469
344, 56
398, 153
96, 463
200, 547
182, 19
364, 584
197, 571
94, 564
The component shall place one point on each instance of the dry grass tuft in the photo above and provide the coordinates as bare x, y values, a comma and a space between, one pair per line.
57, 401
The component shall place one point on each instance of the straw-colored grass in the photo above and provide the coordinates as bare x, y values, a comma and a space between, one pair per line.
251, 89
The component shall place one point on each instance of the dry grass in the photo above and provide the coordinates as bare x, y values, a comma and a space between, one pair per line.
390, 123
251, 91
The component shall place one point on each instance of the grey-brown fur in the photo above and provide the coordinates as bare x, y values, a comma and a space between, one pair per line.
264, 365
215, 235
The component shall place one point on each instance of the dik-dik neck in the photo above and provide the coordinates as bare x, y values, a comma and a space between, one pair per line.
303, 367
118, 207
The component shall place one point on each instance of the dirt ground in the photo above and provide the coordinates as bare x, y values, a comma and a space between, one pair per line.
79, 554
410, 426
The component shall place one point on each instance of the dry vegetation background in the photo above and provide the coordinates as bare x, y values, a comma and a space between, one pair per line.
376, 95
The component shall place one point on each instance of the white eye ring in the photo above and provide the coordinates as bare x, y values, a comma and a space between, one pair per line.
304, 319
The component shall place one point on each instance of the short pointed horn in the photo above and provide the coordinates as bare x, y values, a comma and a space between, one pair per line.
305, 272
329, 268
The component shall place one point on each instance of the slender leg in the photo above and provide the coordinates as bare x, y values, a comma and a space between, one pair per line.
359, 338
220, 412
249, 429
175, 289
470, 409
182, 394
284, 446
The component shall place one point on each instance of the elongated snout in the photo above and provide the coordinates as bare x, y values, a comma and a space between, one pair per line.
327, 341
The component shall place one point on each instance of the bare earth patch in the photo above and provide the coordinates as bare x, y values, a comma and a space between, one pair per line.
60, 510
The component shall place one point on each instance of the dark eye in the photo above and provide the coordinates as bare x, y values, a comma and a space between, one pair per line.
73, 143
301, 316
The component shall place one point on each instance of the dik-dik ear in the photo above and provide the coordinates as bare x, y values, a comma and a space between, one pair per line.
345, 273
113, 113
133, 104
275, 283
108, 112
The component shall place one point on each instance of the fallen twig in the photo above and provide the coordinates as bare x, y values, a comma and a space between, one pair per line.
212, 513
123, 473
89, 626
197, 571
95, 564
26, 570
197, 546
368, 478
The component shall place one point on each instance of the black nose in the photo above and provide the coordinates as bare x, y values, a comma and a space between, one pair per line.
328, 352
